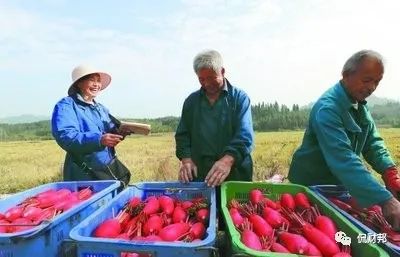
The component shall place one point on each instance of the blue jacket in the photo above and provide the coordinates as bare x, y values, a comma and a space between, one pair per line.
77, 127
235, 136
336, 137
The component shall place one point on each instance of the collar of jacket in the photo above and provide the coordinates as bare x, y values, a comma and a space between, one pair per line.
346, 103
224, 88
82, 104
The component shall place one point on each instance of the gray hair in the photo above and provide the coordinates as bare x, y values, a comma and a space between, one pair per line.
355, 60
210, 59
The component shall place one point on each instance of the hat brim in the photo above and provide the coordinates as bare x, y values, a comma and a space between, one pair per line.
105, 80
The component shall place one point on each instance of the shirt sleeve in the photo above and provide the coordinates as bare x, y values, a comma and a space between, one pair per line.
342, 160
182, 134
242, 142
67, 133
376, 153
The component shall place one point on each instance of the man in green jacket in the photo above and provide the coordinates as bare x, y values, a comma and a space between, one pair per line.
214, 137
340, 130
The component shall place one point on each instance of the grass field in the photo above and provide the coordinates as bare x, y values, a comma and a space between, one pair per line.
26, 164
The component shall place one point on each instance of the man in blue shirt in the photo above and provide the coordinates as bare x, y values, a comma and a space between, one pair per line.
340, 130
214, 137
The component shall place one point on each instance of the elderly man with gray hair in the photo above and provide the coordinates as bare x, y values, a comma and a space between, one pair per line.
214, 137
340, 130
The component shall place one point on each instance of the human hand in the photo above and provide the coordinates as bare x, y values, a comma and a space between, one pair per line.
219, 171
391, 212
392, 181
110, 140
187, 170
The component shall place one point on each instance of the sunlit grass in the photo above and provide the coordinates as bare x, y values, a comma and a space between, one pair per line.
26, 164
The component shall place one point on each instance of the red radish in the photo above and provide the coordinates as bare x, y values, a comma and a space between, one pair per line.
186, 205
45, 193
202, 215
4, 229
14, 213
287, 201
260, 226
301, 201
134, 201
20, 221
277, 247
166, 204
197, 231
152, 205
110, 228
273, 217
153, 225
270, 203
2, 216
179, 215
237, 219
325, 244
376, 208
293, 242
342, 205
174, 231
61, 204
256, 196
31, 212
85, 193
251, 240
326, 225
46, 214
69, 204
62, 193
48, 200
313, 250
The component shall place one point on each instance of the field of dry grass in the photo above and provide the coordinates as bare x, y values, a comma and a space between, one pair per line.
26, 164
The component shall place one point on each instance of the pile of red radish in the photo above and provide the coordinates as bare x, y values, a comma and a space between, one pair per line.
158, 218
43, 206
371, 217
288, 225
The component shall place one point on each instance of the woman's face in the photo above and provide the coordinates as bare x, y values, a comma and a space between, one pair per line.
90, 86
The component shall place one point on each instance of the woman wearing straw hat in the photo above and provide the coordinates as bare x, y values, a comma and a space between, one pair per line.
84, 128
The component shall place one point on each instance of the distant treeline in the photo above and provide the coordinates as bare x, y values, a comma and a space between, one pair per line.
266, 117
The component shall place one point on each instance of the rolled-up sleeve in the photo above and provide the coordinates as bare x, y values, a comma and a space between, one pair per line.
342, 160
242, 142
67, 133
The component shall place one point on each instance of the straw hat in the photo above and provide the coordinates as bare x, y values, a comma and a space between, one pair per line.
83, 70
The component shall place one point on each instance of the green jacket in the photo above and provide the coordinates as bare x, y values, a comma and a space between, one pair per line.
336, 137
235, 134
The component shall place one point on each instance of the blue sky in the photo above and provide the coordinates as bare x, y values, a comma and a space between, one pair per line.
288, 51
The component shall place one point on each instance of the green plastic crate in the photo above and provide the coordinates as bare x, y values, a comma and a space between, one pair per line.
240, 190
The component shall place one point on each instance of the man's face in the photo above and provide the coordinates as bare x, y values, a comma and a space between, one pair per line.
363, 82
212, 82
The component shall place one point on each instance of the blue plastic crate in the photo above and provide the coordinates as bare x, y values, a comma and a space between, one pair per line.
340, 192
88, 246
46, 239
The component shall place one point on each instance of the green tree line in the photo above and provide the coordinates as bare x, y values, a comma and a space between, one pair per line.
266, 117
